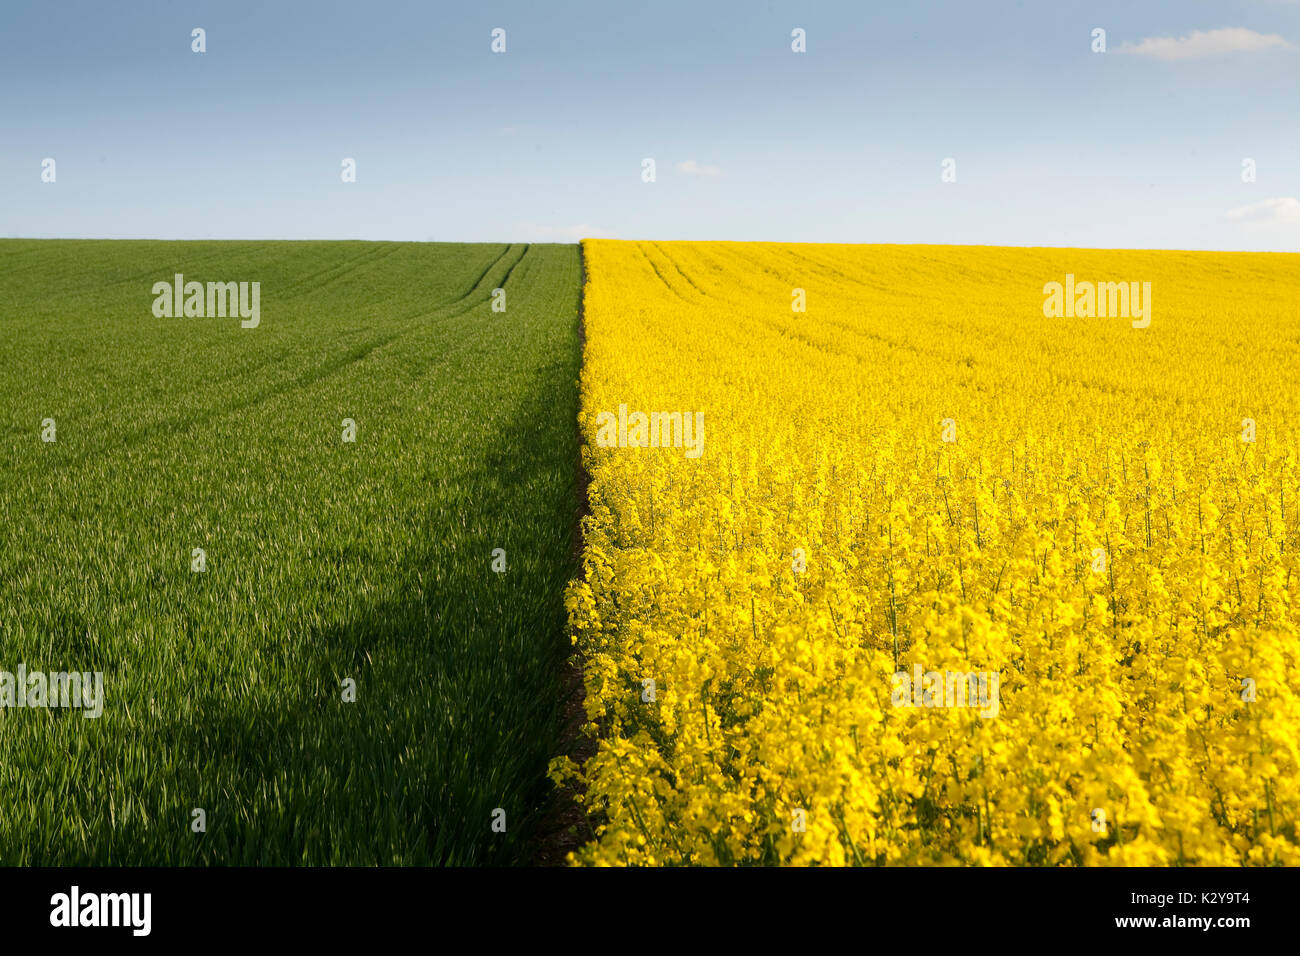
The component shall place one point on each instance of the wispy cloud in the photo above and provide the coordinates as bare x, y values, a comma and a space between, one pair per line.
692, 168
1282, 209
542, 232
1200, 43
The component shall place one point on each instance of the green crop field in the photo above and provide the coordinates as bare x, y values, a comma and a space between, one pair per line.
325, 561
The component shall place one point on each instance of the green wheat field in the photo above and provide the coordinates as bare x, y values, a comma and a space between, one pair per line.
325, 561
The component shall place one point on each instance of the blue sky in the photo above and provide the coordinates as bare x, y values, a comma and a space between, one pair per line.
1054, 145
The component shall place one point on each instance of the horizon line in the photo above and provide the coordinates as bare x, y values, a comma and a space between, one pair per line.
578, 242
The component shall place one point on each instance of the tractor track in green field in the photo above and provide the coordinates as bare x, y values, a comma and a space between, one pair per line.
334, 366
343, 269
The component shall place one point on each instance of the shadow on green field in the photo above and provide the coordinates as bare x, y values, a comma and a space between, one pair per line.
458, 691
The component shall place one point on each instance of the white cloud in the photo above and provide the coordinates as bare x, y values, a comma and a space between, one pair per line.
692, 168
541, 232
1206, 43
1282, 209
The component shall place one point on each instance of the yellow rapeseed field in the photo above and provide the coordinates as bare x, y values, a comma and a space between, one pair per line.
1076, 538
